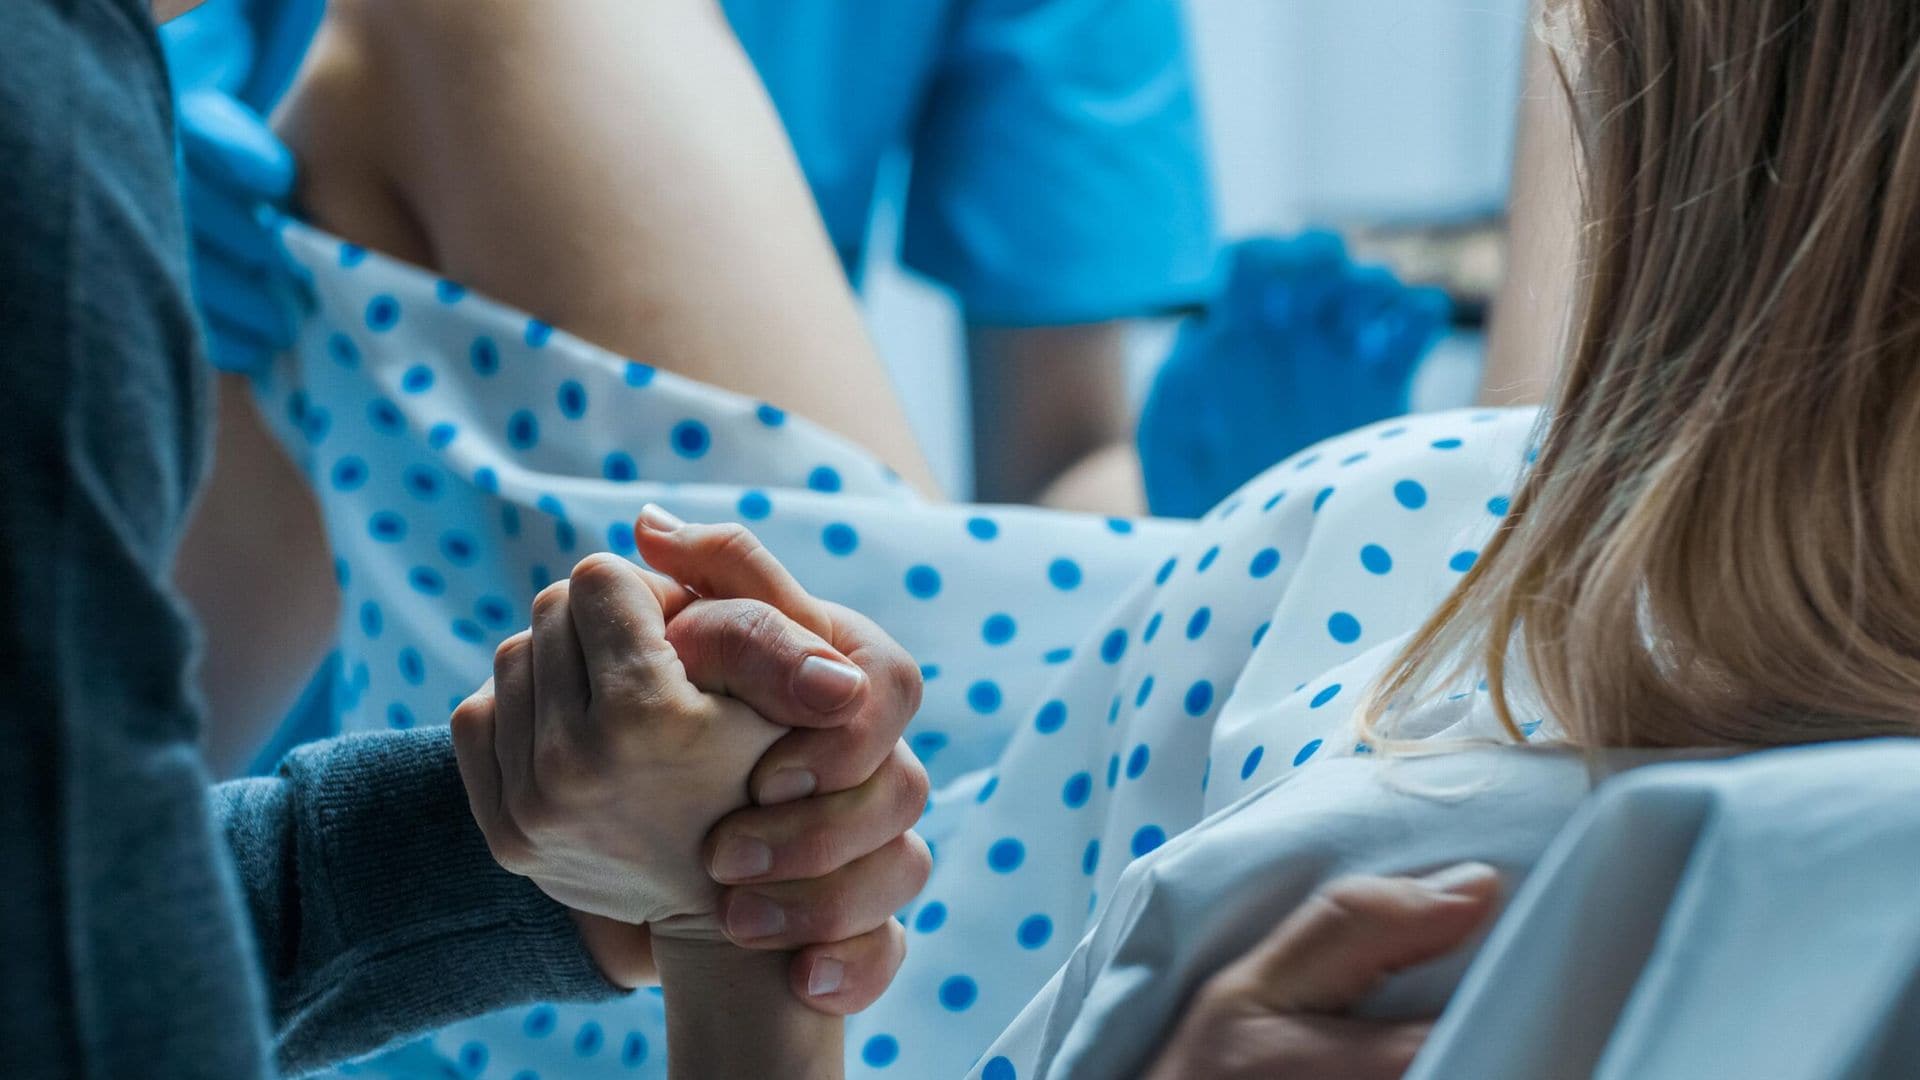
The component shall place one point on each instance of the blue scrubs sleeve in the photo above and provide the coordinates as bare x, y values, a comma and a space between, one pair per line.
1058, 175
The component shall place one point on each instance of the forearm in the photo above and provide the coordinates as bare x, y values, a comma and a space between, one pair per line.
376, 906
1045, 401
255, 568
730, 1014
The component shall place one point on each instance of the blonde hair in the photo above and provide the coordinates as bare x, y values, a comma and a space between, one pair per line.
1718, 542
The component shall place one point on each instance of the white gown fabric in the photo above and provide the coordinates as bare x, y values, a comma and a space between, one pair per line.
1095, 688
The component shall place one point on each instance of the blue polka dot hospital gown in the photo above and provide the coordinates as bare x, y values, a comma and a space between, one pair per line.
1094, 687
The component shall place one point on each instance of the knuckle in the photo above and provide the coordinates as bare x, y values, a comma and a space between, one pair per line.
551, 600
748, 627
511, 851
598, 572
731, 540
910, 788
813, 852
919, 861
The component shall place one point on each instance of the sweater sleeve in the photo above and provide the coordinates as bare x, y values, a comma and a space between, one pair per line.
378, 911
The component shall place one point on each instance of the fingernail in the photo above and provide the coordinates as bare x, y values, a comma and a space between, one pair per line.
787, 785
656, 518
751, 916
741, 858
1459, 880
826, 685
826, 977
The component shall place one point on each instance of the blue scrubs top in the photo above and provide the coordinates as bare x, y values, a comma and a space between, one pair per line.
1057, 174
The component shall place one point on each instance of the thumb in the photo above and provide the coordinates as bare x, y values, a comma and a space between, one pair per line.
1338, 946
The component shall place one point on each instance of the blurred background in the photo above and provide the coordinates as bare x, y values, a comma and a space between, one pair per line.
1355, 114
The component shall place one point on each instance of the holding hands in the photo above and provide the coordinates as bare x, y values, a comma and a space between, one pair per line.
704, 761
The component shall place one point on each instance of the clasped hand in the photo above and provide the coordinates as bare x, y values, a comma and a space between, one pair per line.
711, 756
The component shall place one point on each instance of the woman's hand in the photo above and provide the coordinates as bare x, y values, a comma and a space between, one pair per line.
1280, 1010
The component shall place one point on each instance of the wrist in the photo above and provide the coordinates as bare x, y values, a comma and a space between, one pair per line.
715, 989
622, 952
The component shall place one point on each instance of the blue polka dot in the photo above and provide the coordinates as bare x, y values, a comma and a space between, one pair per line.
1199, 698
1323, 697
1306, 752
572, 400
387, 527
825, 479
1197, 626
1147, 839
1114, 647
449, 292
1113, 771
352, 255
1064, 573
1376, 559
982, 528
349, 474
1000, 1068
342, 573
588, 1040
620, 468
1152, 630
1499, 505
1206, 561
565, 537
473, 1058
1057, 656
1344, 628
1005, 856
923, 582
770, 416
371, 619
343, 351
417, 380
755, 506
638, 375
633, 1051
459, 548
523, 430
1120, 526
1320, 500
928, 743
1166, 571
486, 480
540, 1022
484, 355
840, 539
1265, 563
1273, 502
880, 1051
984, 697
931, 918
620, 538
441, 436
691, 439
1035, 931
421, 482
1447, 444
399, 717
1078, 789
1137, 762
1353, 459
383, 314
1410, 494
1463, 561
1090, 858
959, 993
929, 672
385, 417
1252, 764
493, 611
1146, 691
1260, 634
510, 524
427, 581
1051, 717
998, 629
538, 334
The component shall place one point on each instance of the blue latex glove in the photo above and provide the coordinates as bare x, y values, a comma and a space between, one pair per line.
1302, 344
232, 60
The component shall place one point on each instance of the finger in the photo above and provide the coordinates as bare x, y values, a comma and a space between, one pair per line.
848, 976
621, 628
1353, 933
473, 751
838, 758
560, 686
513, 714
813, 838
750, 651
851, 901
1339, 1047
725, 562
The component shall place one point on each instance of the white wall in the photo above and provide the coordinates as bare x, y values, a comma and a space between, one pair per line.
1318, 111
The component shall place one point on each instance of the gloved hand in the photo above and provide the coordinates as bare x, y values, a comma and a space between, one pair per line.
1301, 345
231, 61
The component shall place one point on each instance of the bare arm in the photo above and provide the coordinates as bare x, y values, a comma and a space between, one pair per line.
1051, 422
614, 168
729, 1014
1531, 313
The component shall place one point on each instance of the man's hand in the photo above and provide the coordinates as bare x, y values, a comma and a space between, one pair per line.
824, 855
1279, 1010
